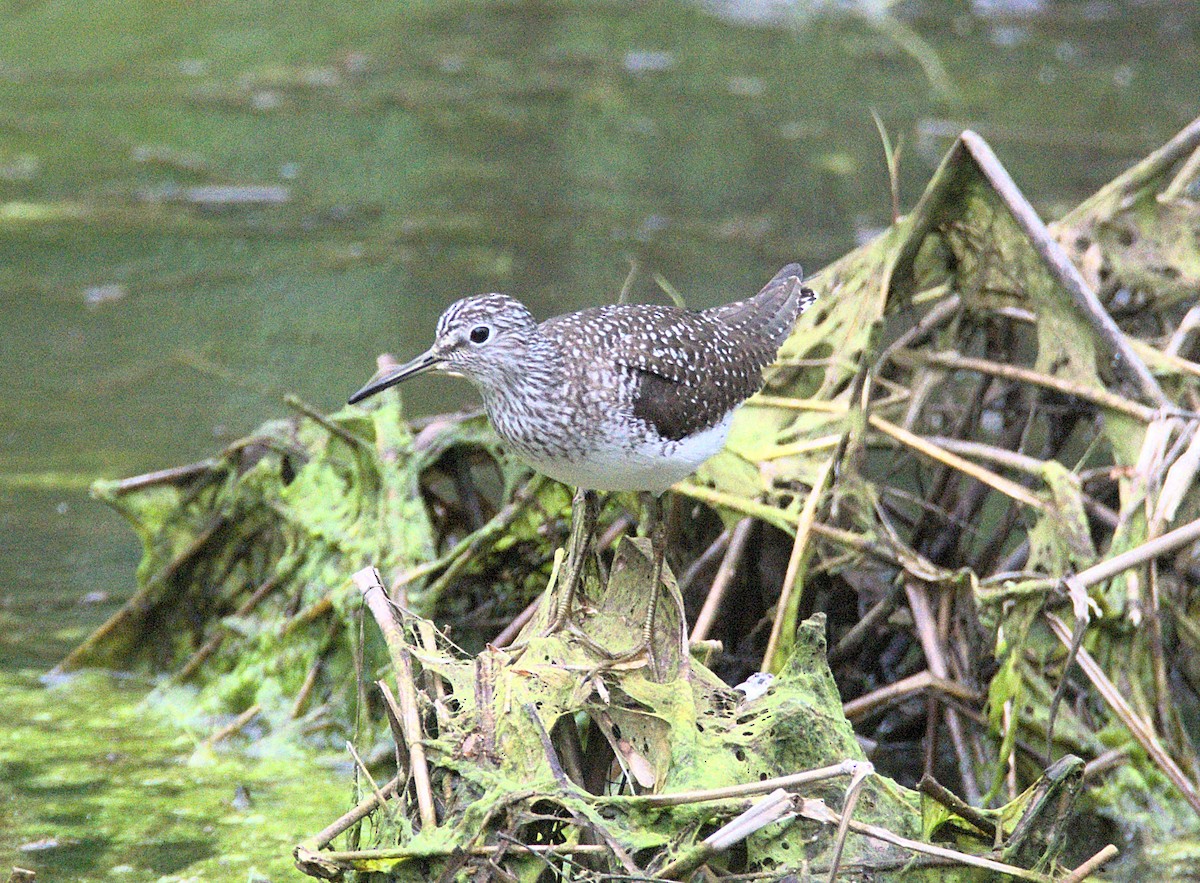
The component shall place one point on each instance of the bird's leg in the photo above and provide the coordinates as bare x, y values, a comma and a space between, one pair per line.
656, 528
583, 526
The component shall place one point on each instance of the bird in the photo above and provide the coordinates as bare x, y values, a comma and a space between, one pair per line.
622, 397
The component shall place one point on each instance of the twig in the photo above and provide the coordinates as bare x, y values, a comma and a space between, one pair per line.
772, 515
174, 475
209, 647
680, 798
794, 404
942, 312
362, 767
325, 423
946, 185
772, 808
716, 548
817, 811
1085, 870
371, 586
1143, 173
365, 856
464, 551
311, 613
620, 525
787, 608
935, 789
237, 724
913, 684
853, 790
1181, 336
144, 600
1117, 564
1106, 761
1031, 466
1137, 726
511, 630
935, 657
547, 747
808, 446
996, 482
725, 574
306, 688
1100, 397
394, 715
859, 632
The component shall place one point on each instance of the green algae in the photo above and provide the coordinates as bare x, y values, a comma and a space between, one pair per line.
97, 783
889, 384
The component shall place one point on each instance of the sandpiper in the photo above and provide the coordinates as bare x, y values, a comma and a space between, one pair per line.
612, 398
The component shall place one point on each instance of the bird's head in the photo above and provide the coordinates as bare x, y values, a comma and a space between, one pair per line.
483, 338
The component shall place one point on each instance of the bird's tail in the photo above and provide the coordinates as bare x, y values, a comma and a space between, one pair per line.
771, 313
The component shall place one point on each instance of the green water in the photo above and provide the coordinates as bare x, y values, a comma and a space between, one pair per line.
206, 206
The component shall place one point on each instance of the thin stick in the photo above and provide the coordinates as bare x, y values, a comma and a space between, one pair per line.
786, 608
680, 798
209, 647
996, 482
1137, 726
551, 849
913, 684
935, 789
781, 518
819, 812
822, 405
627, 285
513, 628
708, 556
808, 446
1064, 272
135, 608
1184, 178
358, 761
371, 585
416, 744
725, 574
1100, 397
311, 613
364, 808
547, 747
1031, 466
306, 688
173, 475
1169, 541
324, 422
775, 806
1084, 871
463, 552
853, 790
859, 632
935, 656
236, 725
394, 715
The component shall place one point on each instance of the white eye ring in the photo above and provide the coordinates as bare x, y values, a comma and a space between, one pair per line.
480, 334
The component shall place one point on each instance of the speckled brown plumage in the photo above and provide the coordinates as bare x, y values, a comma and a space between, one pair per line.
621, 397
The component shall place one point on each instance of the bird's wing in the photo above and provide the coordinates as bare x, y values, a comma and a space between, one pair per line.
692, 368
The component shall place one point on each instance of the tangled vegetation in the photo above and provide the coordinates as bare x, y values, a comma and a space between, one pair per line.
976, 456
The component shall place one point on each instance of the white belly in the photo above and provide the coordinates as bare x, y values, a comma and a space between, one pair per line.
646, 466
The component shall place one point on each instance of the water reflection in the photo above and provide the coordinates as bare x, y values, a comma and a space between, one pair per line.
202, 215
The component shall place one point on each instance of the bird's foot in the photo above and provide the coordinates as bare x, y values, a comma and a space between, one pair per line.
583, 524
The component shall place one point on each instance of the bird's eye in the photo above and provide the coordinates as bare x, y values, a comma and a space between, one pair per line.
480, 334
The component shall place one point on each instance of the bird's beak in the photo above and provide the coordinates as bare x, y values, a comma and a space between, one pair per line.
387, 377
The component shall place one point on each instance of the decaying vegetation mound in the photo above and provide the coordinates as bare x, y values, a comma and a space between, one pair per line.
976, 456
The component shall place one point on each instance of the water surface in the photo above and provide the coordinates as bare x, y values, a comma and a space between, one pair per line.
204, 207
